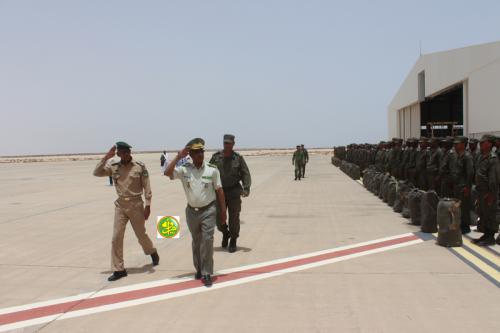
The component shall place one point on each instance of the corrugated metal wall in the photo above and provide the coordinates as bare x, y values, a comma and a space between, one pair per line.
409, 121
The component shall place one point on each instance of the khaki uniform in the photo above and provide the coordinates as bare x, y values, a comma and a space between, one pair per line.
200, 186
297, 160
131, 181
235, 178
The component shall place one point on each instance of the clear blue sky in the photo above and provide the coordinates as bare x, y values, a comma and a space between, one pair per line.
75, 76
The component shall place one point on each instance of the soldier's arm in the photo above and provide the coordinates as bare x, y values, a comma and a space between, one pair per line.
492, 176
213, 160
169, 171
146, 185
246, 179
293, 158
217, 183
469, 172
103, 170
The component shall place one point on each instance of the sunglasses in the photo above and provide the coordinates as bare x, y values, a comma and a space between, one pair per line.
197, 151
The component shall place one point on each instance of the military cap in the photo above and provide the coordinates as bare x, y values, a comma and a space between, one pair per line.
460, 139
228, 138
424, 139
448, 139
435, 140
196, 143
488, 137
122, 145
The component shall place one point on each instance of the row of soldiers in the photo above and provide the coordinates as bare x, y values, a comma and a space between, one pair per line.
451, 166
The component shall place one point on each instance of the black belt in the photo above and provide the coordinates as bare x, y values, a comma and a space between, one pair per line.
197, 209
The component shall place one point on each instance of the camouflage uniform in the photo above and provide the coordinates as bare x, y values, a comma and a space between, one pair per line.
236, 180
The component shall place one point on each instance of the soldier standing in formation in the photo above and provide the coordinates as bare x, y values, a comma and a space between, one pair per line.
433, 164
462, 174
487, 187
236, 182
131, 181
421, 164
447, 161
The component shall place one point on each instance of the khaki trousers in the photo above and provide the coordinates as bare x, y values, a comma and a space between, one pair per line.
128, 210
201, 224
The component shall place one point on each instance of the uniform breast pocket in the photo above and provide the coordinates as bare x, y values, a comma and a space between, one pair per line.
207, 183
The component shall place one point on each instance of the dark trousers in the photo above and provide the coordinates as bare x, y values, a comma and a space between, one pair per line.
487, 214
303, 169
465, 206
233, 205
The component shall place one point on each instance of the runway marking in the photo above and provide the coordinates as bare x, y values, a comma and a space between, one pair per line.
482, 261
118, 298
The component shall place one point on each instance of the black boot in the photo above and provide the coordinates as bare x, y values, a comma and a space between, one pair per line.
232, 245
155, 258
117, 275
488, 240
225, 238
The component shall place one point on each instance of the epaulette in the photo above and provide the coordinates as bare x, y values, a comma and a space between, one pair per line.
116, 163
140, 163
212, 165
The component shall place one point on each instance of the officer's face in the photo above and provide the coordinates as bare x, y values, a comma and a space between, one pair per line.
460, 147
485, 146
124, 155
197, 155
228, 146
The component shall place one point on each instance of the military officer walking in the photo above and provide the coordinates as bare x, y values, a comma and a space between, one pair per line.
297, 160
131, 180
202, 185
236, 182
487, 188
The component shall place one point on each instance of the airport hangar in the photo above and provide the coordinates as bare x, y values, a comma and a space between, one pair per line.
454, 92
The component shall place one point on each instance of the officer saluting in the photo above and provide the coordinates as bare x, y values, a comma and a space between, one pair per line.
202, 185
236, 182
131, 180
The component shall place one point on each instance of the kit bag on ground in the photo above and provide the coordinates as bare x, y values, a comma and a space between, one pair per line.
448, 220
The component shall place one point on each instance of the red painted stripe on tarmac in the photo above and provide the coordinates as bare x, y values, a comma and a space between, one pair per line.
88, 303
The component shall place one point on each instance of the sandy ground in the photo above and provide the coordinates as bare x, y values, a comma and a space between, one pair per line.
56, 225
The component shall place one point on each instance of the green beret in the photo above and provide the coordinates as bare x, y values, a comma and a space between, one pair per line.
122, 145
196, 143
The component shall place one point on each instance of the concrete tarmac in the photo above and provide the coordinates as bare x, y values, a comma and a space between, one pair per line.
56, 224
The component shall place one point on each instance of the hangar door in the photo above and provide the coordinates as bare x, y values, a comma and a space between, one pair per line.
443, 114
409, 121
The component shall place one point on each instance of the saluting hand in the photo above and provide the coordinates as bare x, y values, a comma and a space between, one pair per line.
184, 152
110, 153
